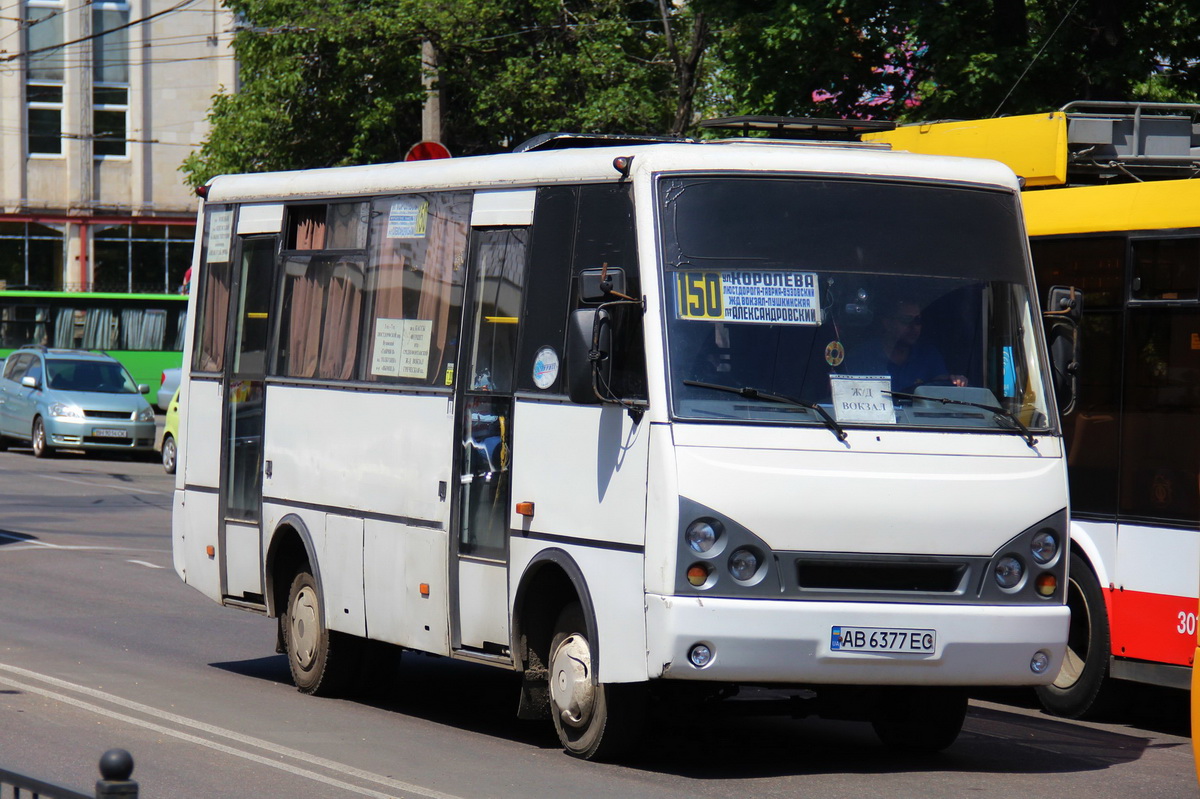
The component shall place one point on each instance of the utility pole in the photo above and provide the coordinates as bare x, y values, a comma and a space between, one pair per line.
431, 115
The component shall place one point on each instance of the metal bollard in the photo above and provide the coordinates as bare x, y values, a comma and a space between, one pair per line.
116, 765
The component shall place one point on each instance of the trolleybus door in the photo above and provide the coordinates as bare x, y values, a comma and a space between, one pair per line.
241, 468
485, 391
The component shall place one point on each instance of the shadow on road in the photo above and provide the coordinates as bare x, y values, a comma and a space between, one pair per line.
13, 537
995, 739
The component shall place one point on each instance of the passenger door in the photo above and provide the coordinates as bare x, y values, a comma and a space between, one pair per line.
485, 391
10, 386
243, 413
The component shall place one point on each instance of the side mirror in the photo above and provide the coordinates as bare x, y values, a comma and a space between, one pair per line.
29, 381
1064, 310
589, 345
143, 388
1065, 301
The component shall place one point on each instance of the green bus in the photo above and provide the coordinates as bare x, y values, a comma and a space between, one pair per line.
142, 331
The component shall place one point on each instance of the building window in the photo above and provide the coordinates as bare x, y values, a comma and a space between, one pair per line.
44, 71
110, 75
110, 107
31, 256
141, 258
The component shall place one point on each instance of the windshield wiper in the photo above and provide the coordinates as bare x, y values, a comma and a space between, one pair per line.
1001, 413
754, 393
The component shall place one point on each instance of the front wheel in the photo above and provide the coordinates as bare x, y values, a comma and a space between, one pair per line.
41, 447
1080, 686
920, 719
169, 454
594, 721
321, 661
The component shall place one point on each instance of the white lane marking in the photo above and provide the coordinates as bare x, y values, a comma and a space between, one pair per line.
130, 489
183, 721
144, 563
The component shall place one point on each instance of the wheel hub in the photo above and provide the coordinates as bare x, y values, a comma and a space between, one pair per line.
571, 685
304, 627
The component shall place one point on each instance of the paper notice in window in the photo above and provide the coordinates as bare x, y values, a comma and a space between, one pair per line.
407, 219
401, 348
862, 398
220, 236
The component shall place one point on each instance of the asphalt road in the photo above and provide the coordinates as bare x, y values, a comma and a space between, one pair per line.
102, 646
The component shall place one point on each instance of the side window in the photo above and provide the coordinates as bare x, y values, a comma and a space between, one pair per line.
215, 280
1165, 269
1160, 466
1094, 265
414, 287
34, 369
548, 287
500, 287
606, 239
319, 325
15, 368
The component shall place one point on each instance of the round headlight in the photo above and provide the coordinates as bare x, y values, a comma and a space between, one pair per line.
743, 564
1009, 571
1044, 546
702, 535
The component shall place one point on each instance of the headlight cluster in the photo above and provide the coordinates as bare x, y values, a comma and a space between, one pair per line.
706, 538
146, 414
1010, 570
63, 409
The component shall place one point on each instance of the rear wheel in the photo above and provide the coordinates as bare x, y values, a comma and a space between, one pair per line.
920, 719
41, 447
169, 454
594, 721
322, 661
1080, 686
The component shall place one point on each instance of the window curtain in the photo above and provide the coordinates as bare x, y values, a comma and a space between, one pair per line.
98, 329
339, 333
447, 238
64, 328
304, 329
210, 350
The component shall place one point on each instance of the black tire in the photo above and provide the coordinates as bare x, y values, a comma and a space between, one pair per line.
41, 447
169, 454
323, 662
1082, 685
594, 721
918, 719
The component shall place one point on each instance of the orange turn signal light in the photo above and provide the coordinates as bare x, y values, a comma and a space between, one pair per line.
1046, 584
697, 574
525, 508
211, 551
424, 589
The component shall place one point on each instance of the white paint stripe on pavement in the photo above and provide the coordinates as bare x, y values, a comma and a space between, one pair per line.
144, 563
295, 754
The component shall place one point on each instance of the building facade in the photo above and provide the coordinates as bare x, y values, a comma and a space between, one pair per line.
100, 103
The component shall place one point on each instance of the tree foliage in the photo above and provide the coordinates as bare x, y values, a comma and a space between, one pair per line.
330, 82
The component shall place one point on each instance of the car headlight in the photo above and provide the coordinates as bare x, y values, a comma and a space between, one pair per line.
65, 409
146, 414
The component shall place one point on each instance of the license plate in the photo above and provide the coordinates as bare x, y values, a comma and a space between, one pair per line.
882, 639
109, 432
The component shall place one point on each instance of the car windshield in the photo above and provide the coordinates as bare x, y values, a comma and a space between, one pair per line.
849, 302
99, 376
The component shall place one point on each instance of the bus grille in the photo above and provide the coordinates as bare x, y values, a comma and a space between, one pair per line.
857, 575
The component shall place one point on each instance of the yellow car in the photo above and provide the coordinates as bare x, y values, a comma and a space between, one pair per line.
170, 441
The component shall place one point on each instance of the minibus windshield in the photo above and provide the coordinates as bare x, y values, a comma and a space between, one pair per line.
862, 302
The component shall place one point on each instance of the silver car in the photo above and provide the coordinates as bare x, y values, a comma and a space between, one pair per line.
73, 399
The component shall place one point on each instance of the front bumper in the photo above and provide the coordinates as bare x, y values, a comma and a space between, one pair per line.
772, 641
72, 433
